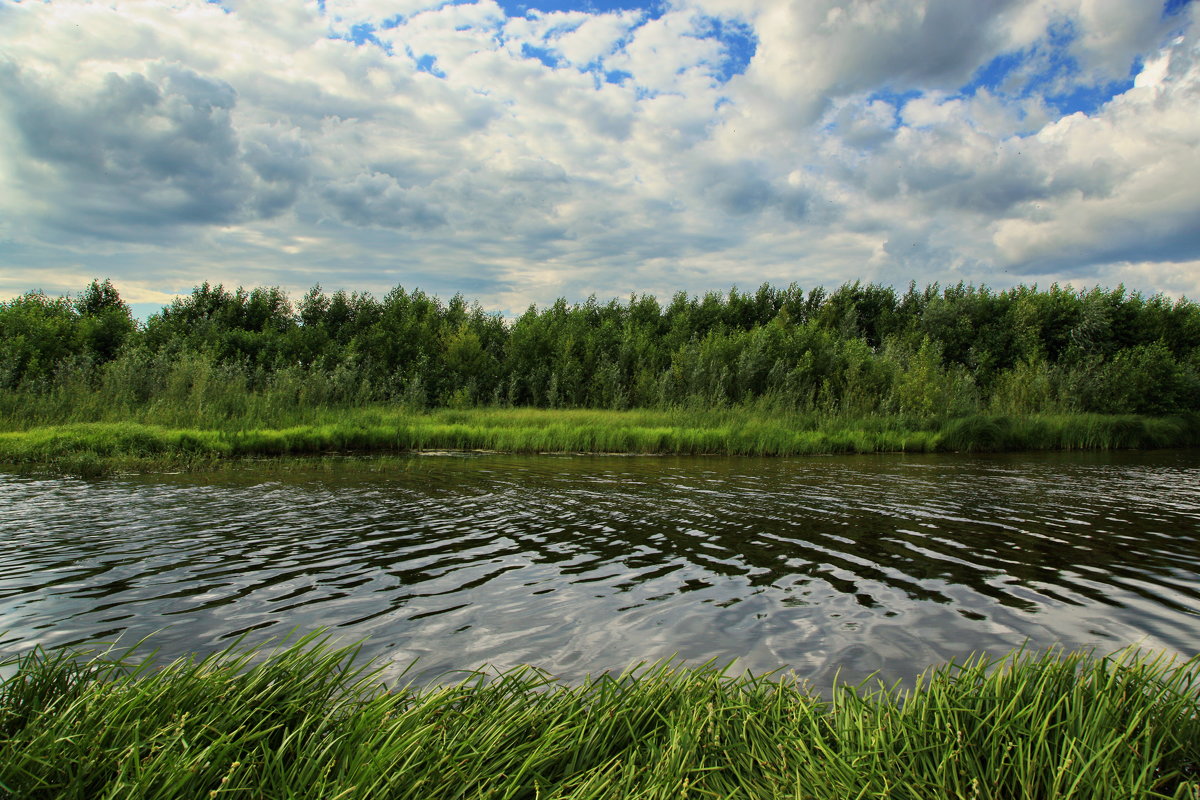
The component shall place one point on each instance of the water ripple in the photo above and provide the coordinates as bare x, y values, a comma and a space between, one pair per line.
582, 564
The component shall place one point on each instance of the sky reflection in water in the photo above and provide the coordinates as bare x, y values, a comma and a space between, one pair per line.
579, 564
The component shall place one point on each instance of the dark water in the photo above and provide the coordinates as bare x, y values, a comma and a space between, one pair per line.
580, 564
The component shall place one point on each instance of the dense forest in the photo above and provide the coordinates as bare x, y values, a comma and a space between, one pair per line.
860, 350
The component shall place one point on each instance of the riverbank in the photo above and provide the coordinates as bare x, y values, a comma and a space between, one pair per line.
306, 721
95, 448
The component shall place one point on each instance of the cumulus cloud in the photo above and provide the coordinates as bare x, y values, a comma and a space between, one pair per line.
1120, 195
125, 153
365, 143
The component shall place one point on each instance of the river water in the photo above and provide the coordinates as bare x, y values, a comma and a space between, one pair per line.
579, 564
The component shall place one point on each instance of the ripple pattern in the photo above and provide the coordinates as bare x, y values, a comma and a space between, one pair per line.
579, 564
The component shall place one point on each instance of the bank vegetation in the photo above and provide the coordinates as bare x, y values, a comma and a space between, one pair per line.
776, 371
305, 721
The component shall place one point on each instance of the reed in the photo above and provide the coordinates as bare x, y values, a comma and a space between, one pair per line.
1069, 432
96, 448
128, 445
312, 720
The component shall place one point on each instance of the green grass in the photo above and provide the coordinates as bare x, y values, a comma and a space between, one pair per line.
308, 721
94, 448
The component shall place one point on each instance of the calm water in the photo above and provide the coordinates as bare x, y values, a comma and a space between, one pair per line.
580, 564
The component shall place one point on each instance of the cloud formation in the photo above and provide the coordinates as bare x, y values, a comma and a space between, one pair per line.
369, 143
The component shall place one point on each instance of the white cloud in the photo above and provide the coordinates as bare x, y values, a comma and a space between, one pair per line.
597, 37
344, 14
1141, 147
248, 144
811, 53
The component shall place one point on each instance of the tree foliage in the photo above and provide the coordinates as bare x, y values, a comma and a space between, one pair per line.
861, 349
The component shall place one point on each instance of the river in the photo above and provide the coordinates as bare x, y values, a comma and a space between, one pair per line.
578, 564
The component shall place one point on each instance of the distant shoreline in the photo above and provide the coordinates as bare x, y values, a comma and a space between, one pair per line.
104, 447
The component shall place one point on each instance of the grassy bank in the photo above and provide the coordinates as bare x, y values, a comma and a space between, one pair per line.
305, 722
94, 448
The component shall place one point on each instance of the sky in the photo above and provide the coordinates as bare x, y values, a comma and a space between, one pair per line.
526, 150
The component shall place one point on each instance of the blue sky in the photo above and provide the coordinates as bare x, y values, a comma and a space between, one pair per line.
521, 152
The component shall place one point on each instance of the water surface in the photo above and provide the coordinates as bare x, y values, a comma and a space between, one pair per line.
580, 564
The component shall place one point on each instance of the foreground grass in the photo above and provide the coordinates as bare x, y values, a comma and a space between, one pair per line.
90, 448
306, 722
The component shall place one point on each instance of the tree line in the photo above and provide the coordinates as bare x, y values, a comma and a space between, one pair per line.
859, 350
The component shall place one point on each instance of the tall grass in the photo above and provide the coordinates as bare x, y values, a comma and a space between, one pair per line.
981, 432
93, 448
310, 721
